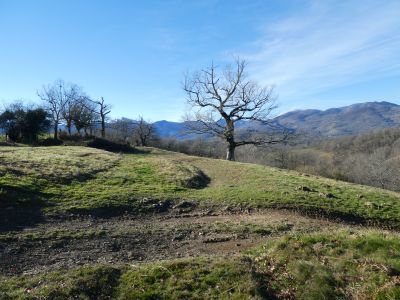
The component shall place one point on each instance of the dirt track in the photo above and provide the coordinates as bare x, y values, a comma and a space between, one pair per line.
132, 239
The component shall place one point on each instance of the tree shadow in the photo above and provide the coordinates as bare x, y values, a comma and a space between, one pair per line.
21, 207
198, 181
110, 146
10, 144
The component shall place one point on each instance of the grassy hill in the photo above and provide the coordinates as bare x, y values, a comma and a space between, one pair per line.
82, 180
47, 185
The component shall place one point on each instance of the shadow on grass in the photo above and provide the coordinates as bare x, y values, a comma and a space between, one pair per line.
341, 217
137, 207
20, 207
198, 181
111, 146
10, 144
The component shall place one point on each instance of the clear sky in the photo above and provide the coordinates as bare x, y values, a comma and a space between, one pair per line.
319, 54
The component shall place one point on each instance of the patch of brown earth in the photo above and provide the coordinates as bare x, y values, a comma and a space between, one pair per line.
133, 239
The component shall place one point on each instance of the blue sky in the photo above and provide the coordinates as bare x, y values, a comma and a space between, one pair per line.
318, 54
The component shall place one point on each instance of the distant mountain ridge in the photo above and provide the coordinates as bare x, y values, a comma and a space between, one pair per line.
348, 120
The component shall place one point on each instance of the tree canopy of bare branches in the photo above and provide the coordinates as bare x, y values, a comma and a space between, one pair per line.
122, 130
144, 132
103, 110
221, 98
72, 98
54, 98
84, 115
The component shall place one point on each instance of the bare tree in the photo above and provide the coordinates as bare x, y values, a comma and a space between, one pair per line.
144, 132
122, 129
103, 110
83, 114
221, 99
72, 96
54, 99
380, 168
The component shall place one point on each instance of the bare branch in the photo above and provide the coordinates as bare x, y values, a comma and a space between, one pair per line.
221, 99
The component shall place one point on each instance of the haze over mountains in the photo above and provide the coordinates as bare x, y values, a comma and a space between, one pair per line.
348, 120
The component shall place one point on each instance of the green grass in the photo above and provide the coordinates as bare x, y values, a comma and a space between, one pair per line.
78, 179
200, 278
51, 235
341, 265
357, 264
240, 228
259, 186
360, 264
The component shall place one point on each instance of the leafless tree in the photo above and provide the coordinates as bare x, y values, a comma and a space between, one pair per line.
72, 95
144, 132
103, 110
54, 99
83, 114
123, 130
380, 168
220, 99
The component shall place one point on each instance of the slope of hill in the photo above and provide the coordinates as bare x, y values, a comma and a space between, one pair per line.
86, 223
348, 120
78, 179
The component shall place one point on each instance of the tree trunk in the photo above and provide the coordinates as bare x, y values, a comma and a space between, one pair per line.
230, 151
230, 138
103, 127
56, 131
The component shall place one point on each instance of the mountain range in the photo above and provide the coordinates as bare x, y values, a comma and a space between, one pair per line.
348, 120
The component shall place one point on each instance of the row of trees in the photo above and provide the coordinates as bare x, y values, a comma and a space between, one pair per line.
220, 99
69, 104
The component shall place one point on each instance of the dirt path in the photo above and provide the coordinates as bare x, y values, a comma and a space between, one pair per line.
132, 239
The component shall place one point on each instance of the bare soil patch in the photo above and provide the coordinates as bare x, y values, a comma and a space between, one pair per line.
136, 239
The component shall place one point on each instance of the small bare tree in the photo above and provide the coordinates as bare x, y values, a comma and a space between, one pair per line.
54, 99
103, 110
122, 129
221, 99
144, 132
83, 114
72, 96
